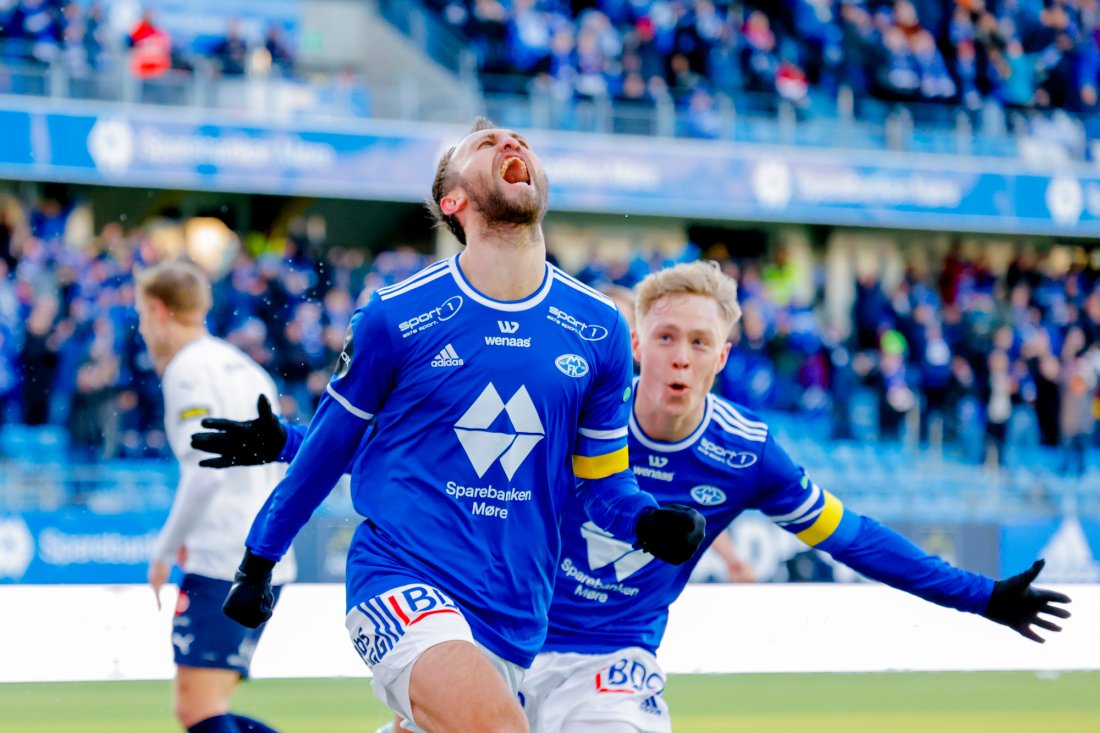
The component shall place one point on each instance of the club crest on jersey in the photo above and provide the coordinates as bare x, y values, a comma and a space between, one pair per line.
343, 364
572, 365
708, 495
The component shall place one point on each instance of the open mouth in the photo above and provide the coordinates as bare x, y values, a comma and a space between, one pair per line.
678, 387
514, 170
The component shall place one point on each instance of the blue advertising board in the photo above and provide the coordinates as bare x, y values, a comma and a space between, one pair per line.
395, 161
74, 545
1069, 545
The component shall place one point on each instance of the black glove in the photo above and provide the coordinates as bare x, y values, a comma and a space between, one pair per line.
1017, 605
251, 600
242, 442
671, 533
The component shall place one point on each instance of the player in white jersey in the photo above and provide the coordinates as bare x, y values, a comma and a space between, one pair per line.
212, 510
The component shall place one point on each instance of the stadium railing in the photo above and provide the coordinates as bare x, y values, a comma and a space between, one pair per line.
821, 121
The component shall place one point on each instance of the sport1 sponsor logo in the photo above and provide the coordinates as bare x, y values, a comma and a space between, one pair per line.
708, 495
572, 365
445, 312
732, 458
588, 332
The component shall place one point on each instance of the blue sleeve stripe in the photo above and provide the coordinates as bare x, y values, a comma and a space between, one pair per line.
603, 434
347, 405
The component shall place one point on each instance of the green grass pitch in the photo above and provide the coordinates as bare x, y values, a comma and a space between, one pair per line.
990, 702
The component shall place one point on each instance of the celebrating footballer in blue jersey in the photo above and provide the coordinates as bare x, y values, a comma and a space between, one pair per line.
496, 389
597, 670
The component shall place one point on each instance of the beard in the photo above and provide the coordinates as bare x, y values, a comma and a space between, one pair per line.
498, 208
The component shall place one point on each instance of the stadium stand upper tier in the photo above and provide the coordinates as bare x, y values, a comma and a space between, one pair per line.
999, 78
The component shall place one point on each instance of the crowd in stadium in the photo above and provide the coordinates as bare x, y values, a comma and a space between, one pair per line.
1016, 54
1017, 352
78, 37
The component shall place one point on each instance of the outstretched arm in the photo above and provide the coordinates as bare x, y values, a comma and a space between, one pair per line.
822, 521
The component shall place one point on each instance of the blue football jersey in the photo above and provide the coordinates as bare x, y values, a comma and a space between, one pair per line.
482, 414
610, 596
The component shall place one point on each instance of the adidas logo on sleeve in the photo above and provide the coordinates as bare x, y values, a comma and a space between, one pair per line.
448, 357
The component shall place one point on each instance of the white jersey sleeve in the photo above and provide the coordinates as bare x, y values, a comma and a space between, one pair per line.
213, 508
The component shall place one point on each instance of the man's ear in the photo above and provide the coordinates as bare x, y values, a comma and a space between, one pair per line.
453, 202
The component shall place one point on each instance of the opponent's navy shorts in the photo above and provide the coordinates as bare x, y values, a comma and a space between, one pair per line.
203, 636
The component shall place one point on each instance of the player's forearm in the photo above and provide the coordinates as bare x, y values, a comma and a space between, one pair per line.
615, 502
194, 493
330, 443
882, 554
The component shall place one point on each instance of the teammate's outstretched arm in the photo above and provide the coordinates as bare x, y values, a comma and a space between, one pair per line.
820, 520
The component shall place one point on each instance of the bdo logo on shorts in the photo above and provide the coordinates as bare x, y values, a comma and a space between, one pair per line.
629, 677
382, 620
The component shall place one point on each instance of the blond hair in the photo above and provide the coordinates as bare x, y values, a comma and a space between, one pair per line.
704, 277
181, 286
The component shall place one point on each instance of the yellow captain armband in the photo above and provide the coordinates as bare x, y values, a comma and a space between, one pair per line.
826, 522
601, 466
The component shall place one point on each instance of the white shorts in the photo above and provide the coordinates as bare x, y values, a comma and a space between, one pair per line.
624, 686
391, 630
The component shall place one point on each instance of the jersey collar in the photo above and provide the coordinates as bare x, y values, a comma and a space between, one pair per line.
662, 447
501, 305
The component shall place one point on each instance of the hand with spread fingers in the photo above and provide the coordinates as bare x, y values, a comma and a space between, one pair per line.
1017, 605
242, 442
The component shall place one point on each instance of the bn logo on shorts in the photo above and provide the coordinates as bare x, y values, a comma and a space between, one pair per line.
385, 618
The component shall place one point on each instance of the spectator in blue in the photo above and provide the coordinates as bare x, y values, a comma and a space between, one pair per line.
231, 52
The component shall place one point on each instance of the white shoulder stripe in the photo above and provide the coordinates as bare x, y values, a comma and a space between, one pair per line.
737, 416
815, 494
738, 430
409, 288
732, 419
582, 288
603, 434
347, 405
414, 277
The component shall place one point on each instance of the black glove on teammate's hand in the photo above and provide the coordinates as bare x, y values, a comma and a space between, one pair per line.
671, 533
1017, 605
242, 442
251, 600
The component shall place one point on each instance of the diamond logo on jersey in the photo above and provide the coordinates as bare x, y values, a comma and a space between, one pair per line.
604, 550
484, 447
